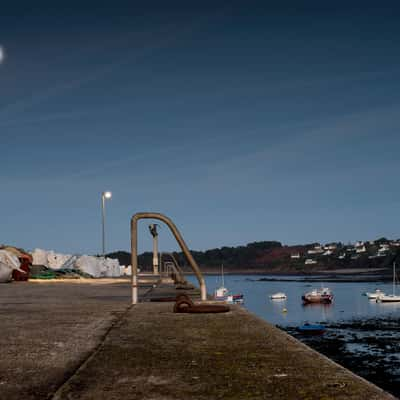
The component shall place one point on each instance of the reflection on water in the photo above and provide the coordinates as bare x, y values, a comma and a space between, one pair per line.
348, 300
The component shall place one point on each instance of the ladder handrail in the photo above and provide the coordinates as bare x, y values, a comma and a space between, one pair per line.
179, 239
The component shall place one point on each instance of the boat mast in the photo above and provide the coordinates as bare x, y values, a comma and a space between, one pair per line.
223, 282
394, 274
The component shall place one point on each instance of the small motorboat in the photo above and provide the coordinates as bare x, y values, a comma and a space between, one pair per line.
222, 294
324, 296
311, 329
374, 295
278, 296
235, 298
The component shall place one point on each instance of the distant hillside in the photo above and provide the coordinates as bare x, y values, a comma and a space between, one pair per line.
273, 257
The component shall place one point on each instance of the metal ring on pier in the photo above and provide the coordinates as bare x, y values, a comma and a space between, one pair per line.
184, 305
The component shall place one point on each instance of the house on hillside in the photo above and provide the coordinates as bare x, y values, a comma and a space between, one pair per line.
383, 250
295, 256
310, 261
361, 249
316, 250
330, 246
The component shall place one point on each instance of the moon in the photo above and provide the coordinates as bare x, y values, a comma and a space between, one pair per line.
2, 55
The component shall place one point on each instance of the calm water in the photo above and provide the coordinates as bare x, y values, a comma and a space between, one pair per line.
348, 300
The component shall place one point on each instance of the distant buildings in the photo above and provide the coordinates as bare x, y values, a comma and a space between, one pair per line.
310, 261
313, 254
316, 250
361, 249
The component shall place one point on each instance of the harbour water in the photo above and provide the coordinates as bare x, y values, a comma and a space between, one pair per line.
349, 302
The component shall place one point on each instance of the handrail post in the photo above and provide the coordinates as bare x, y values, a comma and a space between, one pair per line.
134, 261
179, 239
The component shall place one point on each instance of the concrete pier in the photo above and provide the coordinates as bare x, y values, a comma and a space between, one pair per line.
83, 341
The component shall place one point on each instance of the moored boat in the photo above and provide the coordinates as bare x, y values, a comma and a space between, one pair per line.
374, 295
390, 298
222, 293
278, 296
311, 329
235, 298
323, 295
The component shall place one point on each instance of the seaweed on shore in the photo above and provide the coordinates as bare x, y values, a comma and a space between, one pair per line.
370, 348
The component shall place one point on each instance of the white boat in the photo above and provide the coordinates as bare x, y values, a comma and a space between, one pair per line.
374, 295
222, 293
278, 296
390, 298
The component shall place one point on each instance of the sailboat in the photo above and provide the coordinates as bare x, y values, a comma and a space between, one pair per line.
222, 293
390, 298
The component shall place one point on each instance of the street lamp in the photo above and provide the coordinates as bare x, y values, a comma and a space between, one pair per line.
104, 196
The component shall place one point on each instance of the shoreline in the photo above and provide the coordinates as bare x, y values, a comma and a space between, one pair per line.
355, 345
361, 275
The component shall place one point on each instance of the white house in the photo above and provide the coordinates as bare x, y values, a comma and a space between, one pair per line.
383, 250
316, 250
361, 249
310, 261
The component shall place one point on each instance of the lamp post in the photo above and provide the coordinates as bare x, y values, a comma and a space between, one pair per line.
104, 196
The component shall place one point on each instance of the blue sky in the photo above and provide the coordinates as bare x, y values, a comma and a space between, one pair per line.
240, 122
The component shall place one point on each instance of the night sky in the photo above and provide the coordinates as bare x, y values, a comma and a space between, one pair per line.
240, 120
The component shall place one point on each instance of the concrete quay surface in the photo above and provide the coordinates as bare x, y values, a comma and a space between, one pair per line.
81, 340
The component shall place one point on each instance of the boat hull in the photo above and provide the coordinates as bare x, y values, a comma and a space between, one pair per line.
311, 329
388, 299
323, 299
278, 296
374, 295
231, 299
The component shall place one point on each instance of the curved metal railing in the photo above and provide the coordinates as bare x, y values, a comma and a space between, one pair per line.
179, 239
